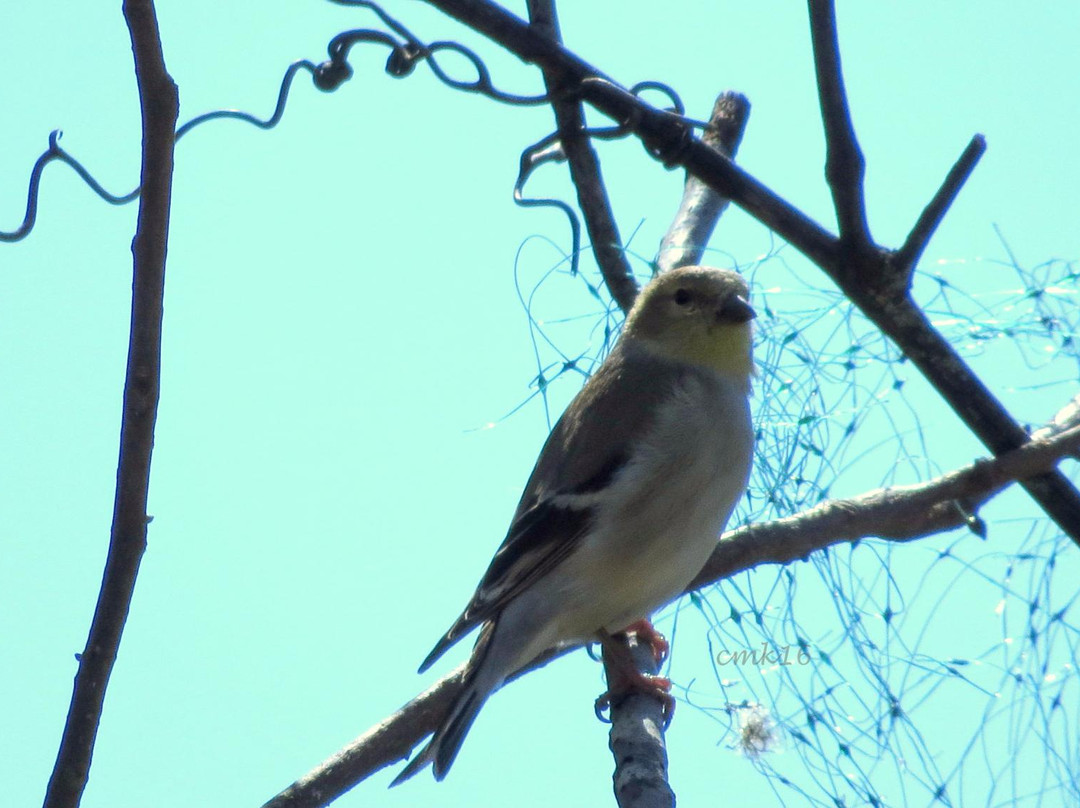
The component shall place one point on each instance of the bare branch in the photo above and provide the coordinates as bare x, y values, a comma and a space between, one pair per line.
1065, 418
898, 514
701, 207
844, 163
585, 171
385, 743
868, 277
665, 134
920, 235
389, 741
636, 740
905, 323
159, 103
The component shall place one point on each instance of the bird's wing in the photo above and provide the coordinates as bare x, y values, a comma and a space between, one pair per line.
589, 446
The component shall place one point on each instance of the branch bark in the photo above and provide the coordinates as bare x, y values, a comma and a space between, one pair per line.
908, 255
701, 207
159, 103
637, 743
900, 514
845, 166
585, 171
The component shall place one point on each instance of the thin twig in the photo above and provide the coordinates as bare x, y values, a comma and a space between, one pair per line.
701, 207
158, 100
897, 514
585, 172
844, 163
908, 255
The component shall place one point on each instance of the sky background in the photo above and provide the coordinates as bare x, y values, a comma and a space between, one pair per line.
339, 445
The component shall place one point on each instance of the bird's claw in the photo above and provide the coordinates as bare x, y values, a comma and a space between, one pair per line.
656, 686
601, 706
647, 634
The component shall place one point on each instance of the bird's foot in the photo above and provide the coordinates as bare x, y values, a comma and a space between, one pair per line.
624, 678
658, 687
646, 633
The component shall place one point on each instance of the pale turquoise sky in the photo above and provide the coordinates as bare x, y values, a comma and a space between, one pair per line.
341, 322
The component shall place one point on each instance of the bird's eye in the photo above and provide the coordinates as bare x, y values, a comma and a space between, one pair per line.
682, 297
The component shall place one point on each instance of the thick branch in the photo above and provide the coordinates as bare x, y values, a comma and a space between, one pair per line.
844, 163
701, 207
585, 171
906, 324
898, 514
159, 103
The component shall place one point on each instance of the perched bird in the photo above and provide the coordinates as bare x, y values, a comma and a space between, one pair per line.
628, 497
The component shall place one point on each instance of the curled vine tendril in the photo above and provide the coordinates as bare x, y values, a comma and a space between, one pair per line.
406, 52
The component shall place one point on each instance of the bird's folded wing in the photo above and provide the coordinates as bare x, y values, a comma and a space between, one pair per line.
589, 446
538, 541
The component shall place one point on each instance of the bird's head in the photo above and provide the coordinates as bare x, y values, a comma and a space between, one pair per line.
698, 315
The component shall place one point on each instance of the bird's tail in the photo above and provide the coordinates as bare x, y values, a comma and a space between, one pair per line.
480, 681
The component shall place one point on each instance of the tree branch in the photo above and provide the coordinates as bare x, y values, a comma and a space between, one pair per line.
844, 163
905, 323
701, 207
159, 104
869, 278
388, 741
585, 171
898, 514
636, 741
666, 134
929, 220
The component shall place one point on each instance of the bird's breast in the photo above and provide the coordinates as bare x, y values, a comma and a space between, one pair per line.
671, 502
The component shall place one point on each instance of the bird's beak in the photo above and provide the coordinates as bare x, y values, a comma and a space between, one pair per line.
735, 309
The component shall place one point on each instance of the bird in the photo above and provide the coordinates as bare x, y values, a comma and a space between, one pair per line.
627, 499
